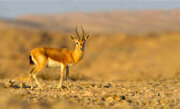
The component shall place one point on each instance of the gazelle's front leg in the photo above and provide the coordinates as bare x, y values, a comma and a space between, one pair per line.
67, 76
61, 78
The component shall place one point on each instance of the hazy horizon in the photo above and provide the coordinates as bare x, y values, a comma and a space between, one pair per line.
12, 9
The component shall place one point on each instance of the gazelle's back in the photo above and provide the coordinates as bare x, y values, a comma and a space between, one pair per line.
62, 55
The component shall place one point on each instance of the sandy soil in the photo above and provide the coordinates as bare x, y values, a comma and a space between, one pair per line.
91, 95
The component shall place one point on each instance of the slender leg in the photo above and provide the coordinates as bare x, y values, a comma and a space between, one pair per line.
62, 73
31, 77
32, 81
33, 73
67, 76
37, 82
39, 62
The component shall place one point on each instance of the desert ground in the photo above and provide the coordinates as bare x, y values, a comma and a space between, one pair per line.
91, 95
132, 60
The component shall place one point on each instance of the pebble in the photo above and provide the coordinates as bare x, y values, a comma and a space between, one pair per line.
108, 85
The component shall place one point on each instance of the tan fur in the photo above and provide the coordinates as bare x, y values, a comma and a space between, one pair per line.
54, 57
64, 56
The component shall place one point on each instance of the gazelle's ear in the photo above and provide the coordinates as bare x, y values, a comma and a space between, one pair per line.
87, 36
72, 38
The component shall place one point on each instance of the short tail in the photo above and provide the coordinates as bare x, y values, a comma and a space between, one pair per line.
30, 60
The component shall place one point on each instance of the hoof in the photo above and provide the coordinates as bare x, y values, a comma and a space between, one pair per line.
41, 88
68, 88
59, 87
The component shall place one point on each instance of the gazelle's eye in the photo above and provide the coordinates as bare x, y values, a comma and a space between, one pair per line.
76, 42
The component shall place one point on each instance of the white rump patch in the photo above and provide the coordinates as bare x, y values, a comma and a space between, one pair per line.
53, 63
35, 62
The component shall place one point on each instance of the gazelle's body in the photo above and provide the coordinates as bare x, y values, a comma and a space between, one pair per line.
54, 57
57, 57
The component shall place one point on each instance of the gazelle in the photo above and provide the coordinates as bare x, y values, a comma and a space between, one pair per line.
55, 57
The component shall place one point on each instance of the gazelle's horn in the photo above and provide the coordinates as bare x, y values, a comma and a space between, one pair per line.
83, 32
76, 31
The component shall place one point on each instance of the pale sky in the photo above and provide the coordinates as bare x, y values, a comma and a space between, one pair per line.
14, 8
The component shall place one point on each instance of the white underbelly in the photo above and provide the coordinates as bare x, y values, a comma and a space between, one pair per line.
53, 63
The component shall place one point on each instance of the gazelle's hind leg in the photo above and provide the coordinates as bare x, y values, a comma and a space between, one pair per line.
36, 80
39, 64
31, 77
33, 73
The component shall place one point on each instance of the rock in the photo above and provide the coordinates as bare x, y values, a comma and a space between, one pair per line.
21, 85
93, 85
34, 100
99, 86
85, 85
108, 85
123, 97
101, 103
109, 99
2, 85
55, 96
7, 84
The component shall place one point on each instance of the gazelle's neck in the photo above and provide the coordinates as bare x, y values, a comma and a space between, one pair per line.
77, 54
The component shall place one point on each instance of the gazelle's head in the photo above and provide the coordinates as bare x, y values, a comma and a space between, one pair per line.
81, 40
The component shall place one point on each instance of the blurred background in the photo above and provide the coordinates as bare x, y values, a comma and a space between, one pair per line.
131, 39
